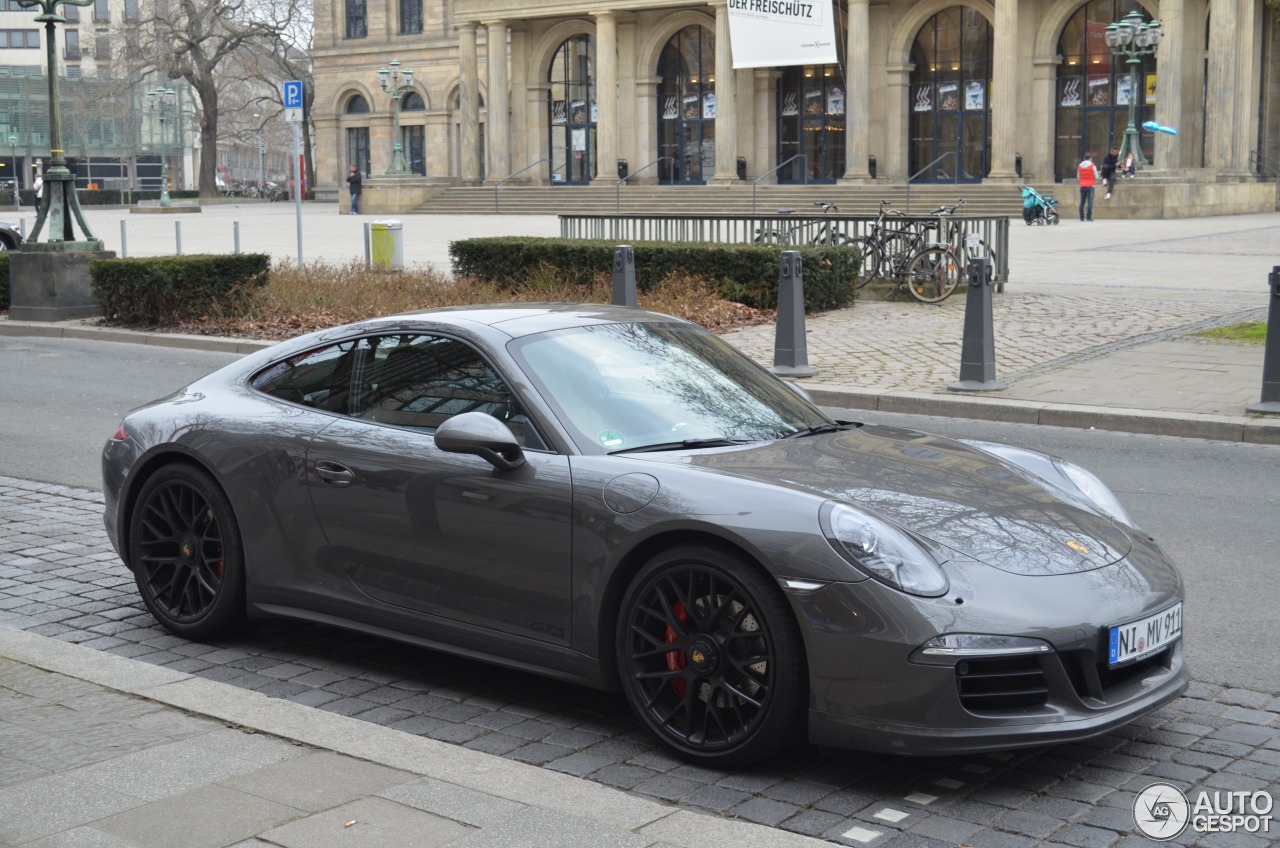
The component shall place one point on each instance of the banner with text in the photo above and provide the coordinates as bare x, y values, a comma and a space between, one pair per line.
773, 33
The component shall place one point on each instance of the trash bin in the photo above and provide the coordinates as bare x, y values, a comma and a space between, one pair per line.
386, 244
622, 169
871, 166
742, 167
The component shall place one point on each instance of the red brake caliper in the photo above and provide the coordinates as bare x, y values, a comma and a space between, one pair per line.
676, 659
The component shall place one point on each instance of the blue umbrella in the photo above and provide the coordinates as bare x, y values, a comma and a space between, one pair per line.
1152, 126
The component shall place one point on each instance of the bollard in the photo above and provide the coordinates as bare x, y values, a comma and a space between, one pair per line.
790, 349
235, 228
124, 244
1271, 356
624, 275
22, 227
978, 349
368, 247
177, 234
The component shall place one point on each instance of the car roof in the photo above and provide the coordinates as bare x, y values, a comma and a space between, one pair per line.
523, 319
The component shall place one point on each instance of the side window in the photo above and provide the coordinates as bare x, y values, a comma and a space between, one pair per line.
420, 381
406, 380
320, 378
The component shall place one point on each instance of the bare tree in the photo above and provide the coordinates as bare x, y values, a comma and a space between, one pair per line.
199, 41
286, 55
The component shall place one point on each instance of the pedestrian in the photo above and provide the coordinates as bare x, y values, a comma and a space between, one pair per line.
38, 185
353, 182
1109, 165
1088, 179
1129, 166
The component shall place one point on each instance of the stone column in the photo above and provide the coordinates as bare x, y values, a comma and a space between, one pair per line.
765, 142
898, 115
627, 114
726, 111
519, 101
1004, 93
499, 128
469, 110
537, 93
1229, 92
606, 97
646, 134
1039, 149
1170, 66
857, 93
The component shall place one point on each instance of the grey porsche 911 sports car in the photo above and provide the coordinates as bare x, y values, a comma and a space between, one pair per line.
621, 499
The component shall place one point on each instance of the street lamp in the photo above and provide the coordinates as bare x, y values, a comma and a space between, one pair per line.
160, 100
396, 82
13, 158
262, 149
1133, 38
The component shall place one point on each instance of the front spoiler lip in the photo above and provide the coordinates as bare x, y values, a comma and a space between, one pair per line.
851, 732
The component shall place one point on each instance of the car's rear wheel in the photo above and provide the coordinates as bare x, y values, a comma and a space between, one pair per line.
710, 656
184, 546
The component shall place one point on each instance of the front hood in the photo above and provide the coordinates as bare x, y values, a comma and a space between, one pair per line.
955, 495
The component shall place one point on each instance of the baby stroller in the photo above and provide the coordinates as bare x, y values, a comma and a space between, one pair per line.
1038, 208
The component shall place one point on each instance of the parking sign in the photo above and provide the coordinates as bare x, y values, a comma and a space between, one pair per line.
293, 94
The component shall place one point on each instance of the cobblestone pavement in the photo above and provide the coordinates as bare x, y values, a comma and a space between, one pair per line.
1035, 331
60, 578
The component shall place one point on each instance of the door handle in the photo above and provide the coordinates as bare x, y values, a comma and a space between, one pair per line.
334, 474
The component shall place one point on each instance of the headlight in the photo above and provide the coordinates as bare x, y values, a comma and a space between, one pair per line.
883, 551
1094, 489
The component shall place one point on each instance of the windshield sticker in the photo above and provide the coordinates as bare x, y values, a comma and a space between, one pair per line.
610, 439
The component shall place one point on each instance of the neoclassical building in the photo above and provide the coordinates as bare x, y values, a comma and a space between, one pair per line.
566, 93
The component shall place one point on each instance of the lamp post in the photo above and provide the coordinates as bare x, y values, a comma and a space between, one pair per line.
160, 99
13, 158
1133, 38
262, 149
395, 81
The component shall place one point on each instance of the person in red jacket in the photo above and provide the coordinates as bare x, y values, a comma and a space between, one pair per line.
1088, 179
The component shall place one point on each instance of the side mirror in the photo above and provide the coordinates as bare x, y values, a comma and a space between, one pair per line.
483, 435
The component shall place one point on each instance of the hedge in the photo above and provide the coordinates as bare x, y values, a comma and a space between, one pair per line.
170, 289
746, 273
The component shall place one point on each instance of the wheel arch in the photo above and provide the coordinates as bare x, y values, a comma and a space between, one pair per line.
631, 563
143, 470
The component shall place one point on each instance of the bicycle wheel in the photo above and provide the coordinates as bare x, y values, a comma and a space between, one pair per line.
869, 260
933, 274
768, 237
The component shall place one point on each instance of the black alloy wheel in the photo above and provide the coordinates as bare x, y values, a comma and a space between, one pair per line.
184, 546
710, 656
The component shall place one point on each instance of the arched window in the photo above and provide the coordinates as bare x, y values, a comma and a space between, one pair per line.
357, 105
572, 105
412, 102
811, 122
687, 106
950, 97
1094, 89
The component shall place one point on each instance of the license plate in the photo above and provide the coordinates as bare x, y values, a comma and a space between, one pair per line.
1138, 639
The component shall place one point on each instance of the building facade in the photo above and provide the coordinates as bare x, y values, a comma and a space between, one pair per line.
569, 93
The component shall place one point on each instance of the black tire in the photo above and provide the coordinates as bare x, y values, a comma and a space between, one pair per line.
710, 656
933, 274
186, 553
869, 253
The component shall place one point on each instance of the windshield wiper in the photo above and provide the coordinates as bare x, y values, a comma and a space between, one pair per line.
686, 444
813, 431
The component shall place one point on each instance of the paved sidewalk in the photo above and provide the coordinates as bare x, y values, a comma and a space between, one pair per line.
100, 750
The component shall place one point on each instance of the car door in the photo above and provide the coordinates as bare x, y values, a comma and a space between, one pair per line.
440, 533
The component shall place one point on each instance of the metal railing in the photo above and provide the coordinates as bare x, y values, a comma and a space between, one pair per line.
513, 176
1263, 166
804, 175
617, 185
751, 229
925, 168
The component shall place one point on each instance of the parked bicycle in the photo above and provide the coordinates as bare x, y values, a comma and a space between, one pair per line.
903, 252
826, 234
955, 234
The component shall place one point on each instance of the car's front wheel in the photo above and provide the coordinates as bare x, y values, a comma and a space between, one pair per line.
710, 656
184, 546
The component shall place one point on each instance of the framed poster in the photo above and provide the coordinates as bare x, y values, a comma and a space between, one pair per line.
974, 96
670, 110
922, 98
1124, 90
560, 113
1071, 91
579, 140
578, 113
790, 104
1151, 88
835, 100
948, 96
813, 104
691, 109
708, 105
1099, 90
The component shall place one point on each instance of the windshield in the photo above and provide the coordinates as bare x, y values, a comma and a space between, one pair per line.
622, 387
